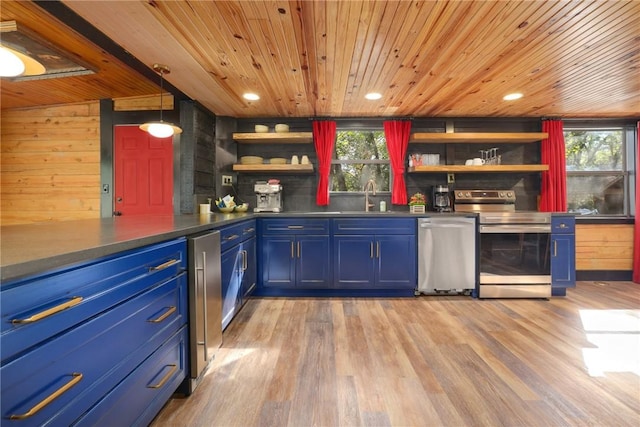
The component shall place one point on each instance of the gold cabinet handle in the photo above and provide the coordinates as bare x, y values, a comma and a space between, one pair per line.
77, 377
232, 237
377, 249
248, 230
555, 248
164, 265
293, 255
245, 262
51, 311
299, 250
371, 250
166, 314
164, 379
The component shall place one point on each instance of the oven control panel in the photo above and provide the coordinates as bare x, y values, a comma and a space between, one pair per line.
485, 196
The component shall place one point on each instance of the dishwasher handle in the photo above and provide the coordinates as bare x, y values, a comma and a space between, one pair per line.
446, 223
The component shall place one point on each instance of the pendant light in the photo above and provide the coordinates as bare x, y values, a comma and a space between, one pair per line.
161, 129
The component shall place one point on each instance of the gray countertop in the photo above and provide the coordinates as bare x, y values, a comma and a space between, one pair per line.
34, 248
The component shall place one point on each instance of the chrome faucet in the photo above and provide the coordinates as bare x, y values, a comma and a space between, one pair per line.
370, 185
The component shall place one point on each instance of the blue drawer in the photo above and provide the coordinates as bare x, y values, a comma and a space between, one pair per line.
234, 234
374, 226
137, 399
295, 226
91, 359
563, 225
87, 291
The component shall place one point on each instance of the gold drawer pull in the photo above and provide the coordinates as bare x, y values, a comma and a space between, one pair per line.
50, 311
164, 316
231, 237
295, 227
164, 379
164, 265
77, 377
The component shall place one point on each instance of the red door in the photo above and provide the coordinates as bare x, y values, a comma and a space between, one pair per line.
143, 169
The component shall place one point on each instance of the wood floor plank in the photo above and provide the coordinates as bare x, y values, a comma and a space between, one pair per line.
425, 361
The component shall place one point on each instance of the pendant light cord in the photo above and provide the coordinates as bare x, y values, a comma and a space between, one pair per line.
161, 90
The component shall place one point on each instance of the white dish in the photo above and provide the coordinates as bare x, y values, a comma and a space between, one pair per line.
282, 128
262, 129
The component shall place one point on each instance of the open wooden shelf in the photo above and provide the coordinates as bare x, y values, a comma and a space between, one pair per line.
273, 168
279, 138
477, 137
475, 169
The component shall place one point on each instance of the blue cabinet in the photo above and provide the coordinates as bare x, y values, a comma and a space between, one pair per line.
563, 254
238, 266
295, 253
73, 336
373, 253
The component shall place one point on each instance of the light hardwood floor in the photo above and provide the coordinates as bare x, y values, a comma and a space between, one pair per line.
425, 361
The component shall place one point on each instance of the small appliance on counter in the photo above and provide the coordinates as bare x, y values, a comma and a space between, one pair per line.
441, 199
268, 195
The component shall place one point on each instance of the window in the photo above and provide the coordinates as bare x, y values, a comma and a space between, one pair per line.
358, 157
597, 172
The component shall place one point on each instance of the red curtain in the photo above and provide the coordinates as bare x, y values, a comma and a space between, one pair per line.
553, 197
324, 137
636, 229
397, 135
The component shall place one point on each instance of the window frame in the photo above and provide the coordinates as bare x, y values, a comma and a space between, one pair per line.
336, 161
627, 172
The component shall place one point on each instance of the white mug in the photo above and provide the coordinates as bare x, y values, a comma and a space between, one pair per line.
294, 160
305, 160
468, 162
478, 161
205, 208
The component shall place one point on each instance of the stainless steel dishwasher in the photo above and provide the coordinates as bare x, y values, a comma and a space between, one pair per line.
447, 248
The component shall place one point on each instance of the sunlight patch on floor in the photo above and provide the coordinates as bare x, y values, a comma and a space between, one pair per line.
615, 335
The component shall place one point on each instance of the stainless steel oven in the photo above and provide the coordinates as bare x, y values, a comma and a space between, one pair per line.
513, 245
514, 258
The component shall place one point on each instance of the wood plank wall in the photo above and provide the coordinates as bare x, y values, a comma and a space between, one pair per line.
604, 247
50, 163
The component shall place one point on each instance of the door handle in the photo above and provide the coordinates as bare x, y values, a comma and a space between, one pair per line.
298, 249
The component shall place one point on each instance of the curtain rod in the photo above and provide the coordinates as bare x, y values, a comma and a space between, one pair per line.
362, 119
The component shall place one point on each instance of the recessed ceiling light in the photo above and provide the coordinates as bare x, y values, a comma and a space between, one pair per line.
373, 96
512, 96
251, 96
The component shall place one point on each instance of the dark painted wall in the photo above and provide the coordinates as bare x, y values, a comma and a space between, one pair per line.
197, 156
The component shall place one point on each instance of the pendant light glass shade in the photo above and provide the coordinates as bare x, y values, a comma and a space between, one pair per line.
161, 129
14, 63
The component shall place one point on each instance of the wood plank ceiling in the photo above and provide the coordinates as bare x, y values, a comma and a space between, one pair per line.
319, 58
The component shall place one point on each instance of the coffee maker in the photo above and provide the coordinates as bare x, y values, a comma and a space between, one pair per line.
441, 198
269, 196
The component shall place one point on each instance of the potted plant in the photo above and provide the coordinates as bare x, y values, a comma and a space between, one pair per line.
417, 203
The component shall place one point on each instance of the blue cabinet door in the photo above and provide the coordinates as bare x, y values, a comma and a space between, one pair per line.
396, 262
231, 264
563, 260
249, 273
278, 261
354, 261
313, 262
563, 253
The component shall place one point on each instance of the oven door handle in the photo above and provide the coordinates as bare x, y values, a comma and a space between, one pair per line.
515, 228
